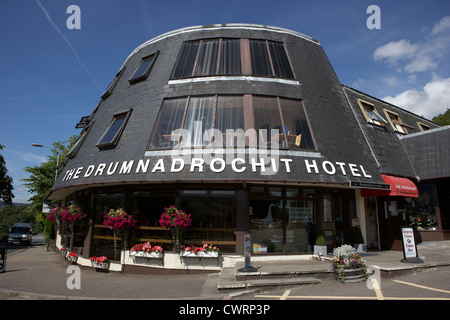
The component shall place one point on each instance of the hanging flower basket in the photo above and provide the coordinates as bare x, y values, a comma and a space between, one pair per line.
175, 220
348, 265
119, 220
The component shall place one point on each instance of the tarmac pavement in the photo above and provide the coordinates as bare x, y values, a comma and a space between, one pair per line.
34, 273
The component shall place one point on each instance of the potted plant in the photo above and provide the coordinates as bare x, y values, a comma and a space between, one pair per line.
320, 247
348, 265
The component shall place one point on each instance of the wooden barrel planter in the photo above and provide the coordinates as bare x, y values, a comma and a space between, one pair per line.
351, 275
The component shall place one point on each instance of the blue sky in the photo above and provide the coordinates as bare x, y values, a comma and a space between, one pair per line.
51, 76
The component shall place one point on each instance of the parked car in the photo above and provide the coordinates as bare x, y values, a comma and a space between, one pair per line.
20, 234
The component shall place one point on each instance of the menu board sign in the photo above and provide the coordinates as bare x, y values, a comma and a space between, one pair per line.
409, 246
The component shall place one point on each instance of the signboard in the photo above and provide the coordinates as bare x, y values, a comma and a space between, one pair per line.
409, 246
2, 260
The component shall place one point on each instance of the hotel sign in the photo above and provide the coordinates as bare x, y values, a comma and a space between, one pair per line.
263, 165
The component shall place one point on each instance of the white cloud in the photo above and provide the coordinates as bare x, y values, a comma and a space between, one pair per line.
431, 100
442, 25
395, 51
421, 56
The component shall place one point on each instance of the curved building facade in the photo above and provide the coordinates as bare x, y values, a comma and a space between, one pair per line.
245, 127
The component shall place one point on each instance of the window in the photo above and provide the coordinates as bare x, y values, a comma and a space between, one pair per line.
395, 122
207, 60
226, 120
267, 121
228, 57
115, 128
79, 142
280, 61
422, 126
170, 119
270, 59
296, 126
199, 119
260, 58
370, 113
144, 68
112, 84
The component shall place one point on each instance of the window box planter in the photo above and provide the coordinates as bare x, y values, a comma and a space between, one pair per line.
151, 255
104, 265
200, 254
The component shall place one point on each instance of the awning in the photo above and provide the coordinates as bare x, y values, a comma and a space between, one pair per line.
399, 187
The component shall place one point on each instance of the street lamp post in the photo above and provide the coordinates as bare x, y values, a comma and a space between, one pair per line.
38, 145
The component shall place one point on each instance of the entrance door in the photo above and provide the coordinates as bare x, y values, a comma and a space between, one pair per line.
390, 218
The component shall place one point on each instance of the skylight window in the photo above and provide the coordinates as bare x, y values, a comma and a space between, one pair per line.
371, 113
144, 68
114, 131
395, 121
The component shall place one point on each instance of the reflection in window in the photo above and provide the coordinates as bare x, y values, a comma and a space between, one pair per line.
112, 134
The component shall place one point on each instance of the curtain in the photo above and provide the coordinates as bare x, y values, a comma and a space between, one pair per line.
207, 59
186, 60
260, 58
170, 119
230, 57
199, 118
280, 61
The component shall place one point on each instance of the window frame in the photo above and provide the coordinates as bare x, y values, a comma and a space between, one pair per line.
423, 126
115, 139
369, 118
113, 84
248, 111
395, 123
245, 59
138, 78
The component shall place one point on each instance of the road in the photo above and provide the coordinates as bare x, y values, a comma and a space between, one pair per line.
429, 284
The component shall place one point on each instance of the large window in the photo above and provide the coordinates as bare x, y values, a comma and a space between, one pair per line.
281, 220
227, 120
225, 57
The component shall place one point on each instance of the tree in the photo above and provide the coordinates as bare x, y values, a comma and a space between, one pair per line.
6, 186
443, 119
42, 177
